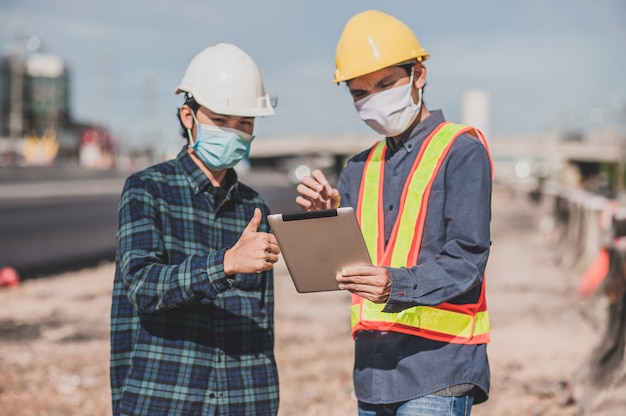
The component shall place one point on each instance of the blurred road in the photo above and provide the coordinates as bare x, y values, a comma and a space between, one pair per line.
43, 235
56, 225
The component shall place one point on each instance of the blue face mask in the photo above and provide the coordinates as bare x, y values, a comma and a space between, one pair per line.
219, 147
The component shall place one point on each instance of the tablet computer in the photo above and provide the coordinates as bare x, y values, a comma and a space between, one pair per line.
316, 245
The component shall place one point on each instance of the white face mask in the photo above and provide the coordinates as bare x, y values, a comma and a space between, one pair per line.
390, 112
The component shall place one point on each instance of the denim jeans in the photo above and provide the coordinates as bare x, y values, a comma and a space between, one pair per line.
430, 405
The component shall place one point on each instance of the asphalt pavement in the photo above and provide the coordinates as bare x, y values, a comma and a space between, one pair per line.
63, 220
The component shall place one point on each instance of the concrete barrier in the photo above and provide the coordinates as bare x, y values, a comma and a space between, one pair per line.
588, 234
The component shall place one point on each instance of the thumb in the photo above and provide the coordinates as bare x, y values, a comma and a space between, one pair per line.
253, 225
335, 198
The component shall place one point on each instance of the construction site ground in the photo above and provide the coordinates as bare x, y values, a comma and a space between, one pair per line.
54, 335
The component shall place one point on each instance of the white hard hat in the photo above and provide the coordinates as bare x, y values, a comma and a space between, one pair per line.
226, 80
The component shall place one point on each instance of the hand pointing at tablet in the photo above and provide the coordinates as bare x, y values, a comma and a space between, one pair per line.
316, 193
369, 282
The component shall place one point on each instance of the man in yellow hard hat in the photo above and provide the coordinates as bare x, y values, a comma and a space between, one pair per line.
422, 196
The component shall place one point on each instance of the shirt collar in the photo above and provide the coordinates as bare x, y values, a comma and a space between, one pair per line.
419, 132
198, 180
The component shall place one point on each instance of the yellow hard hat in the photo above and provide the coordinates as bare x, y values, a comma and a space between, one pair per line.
373, 40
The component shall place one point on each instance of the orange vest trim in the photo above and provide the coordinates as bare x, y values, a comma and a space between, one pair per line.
464, 324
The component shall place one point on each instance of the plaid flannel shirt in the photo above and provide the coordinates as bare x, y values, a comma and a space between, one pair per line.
185, 338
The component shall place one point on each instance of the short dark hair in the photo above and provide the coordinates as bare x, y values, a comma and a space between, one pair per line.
408, 68
193, 104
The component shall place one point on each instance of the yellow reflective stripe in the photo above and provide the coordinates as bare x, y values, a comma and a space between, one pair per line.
369, 223
355, 314
413, 202
482, 325
426, 317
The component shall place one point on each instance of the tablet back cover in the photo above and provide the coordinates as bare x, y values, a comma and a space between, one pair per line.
316, 245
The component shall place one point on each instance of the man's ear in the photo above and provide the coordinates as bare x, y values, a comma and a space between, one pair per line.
419, 75
186, 116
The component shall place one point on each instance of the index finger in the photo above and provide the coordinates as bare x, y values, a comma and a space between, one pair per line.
273, 249
312, 183
321, 178
271, 239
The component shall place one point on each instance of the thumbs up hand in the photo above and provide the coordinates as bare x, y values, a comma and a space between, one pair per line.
254, 252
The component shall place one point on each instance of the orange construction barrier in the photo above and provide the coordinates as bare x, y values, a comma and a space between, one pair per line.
9, 277
595, 274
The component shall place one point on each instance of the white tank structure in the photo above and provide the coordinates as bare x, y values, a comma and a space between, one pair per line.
476, 110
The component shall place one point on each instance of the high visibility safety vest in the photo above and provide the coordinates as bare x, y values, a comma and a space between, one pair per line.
446, 322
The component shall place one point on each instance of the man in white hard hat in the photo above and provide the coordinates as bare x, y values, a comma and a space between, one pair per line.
422, 197
192, 325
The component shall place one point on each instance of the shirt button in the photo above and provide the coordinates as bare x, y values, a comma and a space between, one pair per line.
212, 395
396, 173
391, 207
197, 188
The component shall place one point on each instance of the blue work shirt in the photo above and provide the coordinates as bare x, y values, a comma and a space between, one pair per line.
392, 367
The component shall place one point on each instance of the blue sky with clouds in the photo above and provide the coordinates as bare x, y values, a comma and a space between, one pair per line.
547, 64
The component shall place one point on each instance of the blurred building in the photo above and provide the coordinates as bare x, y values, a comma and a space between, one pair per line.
36, 123
44, 96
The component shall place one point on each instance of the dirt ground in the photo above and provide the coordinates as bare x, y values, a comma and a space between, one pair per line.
54, 334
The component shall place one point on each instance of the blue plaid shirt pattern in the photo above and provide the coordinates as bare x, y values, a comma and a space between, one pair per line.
185, 338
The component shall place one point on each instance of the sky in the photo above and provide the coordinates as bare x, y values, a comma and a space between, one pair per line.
547, 65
